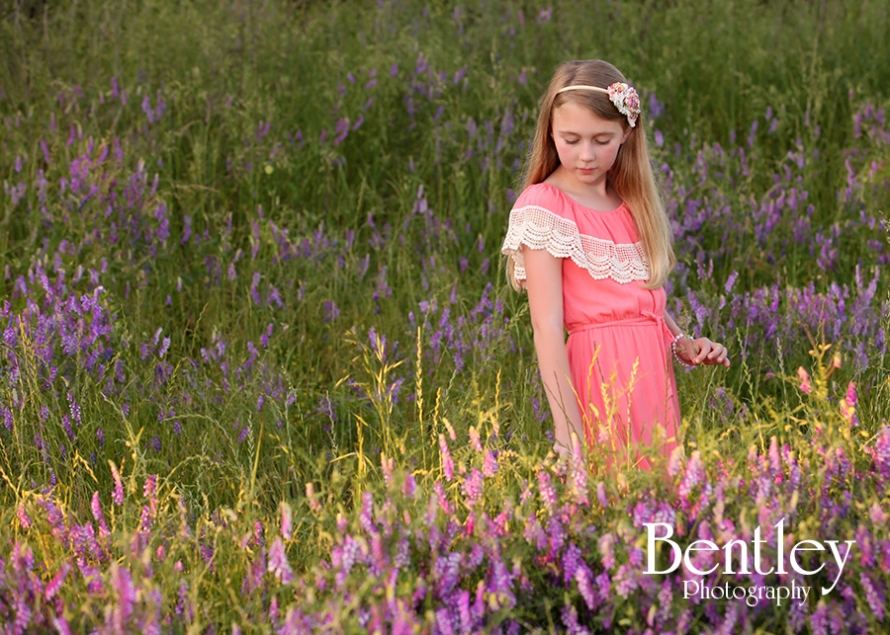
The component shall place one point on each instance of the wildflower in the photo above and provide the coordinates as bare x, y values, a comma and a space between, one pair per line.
387, 465
605, 546
475, 441
409, 487
848, 406
570, 621
804, 380
675, 461
625, 581
579, 472
472, 486
490, 466
117, 494
881, 452
314, 505
548, 493
62, 625
56, 583
874, 597
278, 563
601, 495
447, 461
122, 582
366, 517
24, 520
570, 562
585, 585
286, 523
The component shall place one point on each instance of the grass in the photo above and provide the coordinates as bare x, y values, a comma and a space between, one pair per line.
309, 201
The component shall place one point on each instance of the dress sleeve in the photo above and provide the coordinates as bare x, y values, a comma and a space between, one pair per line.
539, 223
535, 224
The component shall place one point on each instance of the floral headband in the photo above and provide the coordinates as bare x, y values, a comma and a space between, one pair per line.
625, 98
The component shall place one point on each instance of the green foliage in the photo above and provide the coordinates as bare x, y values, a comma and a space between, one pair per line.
250, 247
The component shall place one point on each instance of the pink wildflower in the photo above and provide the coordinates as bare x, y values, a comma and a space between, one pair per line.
848, 406
24, 519
447, 461
278, 563
286, 524
117, 495
804, 380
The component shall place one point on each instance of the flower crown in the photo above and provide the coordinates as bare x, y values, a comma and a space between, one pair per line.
625, 98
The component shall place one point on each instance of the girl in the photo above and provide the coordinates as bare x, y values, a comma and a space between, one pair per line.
590, 241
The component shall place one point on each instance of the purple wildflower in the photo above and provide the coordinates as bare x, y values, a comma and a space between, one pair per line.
278, 563
56, 583
548, 493
472, 486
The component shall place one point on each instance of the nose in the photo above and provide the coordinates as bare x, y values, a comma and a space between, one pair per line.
587, 152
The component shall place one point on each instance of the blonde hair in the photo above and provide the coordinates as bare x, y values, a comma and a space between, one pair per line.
631, 176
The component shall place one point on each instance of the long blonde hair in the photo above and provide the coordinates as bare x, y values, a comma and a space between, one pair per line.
631, 176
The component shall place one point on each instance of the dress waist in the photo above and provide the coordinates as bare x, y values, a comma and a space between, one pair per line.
648, 319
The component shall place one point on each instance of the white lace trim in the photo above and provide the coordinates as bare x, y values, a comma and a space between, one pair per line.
539, 228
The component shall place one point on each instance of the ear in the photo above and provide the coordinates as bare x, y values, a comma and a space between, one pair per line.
626, 134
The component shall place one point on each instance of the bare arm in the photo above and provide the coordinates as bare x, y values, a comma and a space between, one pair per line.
544, 285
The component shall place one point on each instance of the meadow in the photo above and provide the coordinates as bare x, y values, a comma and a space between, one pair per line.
260, 369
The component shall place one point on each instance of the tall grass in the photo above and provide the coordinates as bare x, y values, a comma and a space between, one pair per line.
250, 248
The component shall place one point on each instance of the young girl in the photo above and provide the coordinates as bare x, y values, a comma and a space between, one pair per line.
590, 241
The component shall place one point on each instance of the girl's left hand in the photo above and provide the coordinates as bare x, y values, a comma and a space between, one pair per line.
703, 351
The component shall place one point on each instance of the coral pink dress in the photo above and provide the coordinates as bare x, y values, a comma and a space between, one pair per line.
619, 347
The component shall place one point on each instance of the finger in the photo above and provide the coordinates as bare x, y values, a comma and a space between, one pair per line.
704, 349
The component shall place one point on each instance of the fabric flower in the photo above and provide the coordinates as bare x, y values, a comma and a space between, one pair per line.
626, 100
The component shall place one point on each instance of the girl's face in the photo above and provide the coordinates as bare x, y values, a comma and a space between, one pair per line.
586, 143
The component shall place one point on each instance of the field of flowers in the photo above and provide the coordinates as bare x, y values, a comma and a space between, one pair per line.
260, 370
